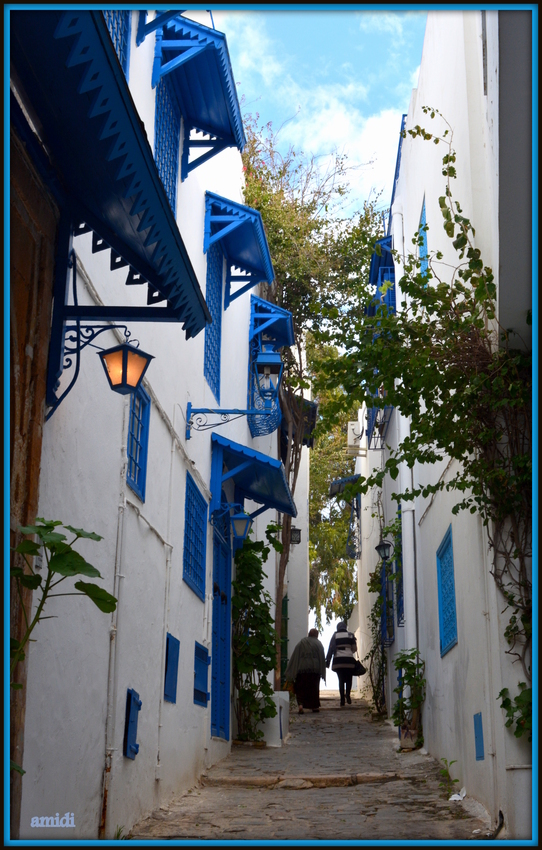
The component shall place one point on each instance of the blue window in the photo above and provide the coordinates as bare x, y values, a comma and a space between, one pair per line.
172, 668
213, 332
118, 24
446, 594
478, 737
195, 534
201, 669
133, 707
167, 135
423, 250
138, 441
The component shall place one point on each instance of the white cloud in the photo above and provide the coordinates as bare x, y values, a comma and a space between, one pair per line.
255, 52
382, 22
320, 118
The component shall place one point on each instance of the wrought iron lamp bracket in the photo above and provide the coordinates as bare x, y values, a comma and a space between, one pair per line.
197, 417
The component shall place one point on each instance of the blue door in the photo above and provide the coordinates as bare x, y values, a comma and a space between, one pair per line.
220, 665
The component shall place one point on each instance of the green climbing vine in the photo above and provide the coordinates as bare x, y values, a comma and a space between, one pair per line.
254, 637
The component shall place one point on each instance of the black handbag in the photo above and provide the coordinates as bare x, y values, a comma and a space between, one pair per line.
359, 669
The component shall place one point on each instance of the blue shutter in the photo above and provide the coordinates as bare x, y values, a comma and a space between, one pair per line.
133, 707
138, 442
478, 737
446, 594
172, 668
201, 668
167, 139
195, 538
118, 24
213, 332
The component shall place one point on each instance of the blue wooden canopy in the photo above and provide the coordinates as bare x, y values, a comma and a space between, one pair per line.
67, 69
273, 323
240, 232
256, 476
196, 61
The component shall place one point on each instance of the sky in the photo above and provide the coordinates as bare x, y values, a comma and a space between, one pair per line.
331, 80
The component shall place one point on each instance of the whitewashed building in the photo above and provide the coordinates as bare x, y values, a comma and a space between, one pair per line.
127, 211
476, 70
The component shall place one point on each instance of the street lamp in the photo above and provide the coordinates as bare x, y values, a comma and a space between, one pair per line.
268, 365
384, 550
125, 367
241, 525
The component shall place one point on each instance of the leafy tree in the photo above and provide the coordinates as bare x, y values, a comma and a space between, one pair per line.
300, 200
333, 582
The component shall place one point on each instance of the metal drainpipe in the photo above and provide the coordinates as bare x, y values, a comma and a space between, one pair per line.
413, 513
112, 668
165, 623
492, 702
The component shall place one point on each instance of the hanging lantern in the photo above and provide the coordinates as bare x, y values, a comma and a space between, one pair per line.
383, 549
125, 367
269, 365
241, 525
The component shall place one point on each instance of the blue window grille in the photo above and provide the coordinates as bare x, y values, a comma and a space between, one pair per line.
172, 668
167, 137
399, 592
201, 669
478, 737
138, 442
118, 24
213, 331
423, 249
446, 594
195, 535
133, 707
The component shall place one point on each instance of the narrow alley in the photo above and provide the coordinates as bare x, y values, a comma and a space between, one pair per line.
338, 776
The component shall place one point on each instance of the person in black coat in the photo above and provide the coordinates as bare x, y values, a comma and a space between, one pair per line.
342, 648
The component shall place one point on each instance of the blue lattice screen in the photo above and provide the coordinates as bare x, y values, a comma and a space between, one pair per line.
446, 594
213, 332
118, 24
167, 136
138, 440
423, 249
195, 534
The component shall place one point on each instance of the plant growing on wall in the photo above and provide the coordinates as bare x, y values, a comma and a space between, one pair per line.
443, 360
62, 562
254, 638
407, 710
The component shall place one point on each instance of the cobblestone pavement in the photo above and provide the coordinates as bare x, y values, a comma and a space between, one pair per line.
338, 776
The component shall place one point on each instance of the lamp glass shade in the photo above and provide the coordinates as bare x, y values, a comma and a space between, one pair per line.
125, 366
241, 525
383, 549
268, 361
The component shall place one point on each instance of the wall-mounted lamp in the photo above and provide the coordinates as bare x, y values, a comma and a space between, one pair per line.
125, 367
125, 364
384, 550
295, 535
268, 366
241, 522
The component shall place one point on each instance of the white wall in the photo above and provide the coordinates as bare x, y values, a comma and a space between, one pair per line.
79, 670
